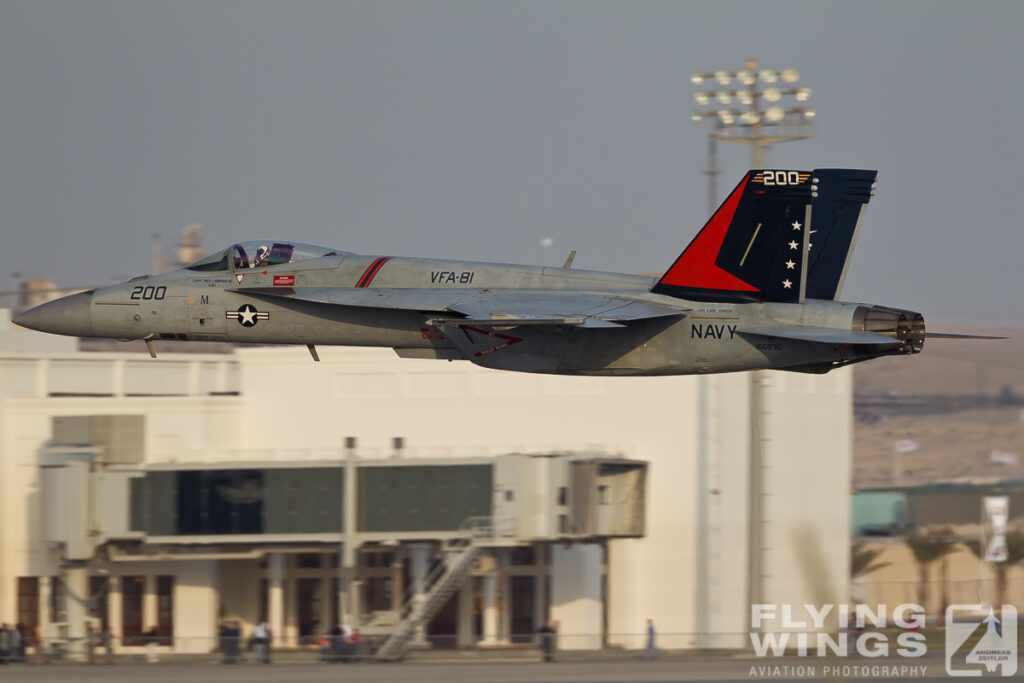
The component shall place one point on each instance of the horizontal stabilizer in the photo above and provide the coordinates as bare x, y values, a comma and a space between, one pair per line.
823, 335
950, 335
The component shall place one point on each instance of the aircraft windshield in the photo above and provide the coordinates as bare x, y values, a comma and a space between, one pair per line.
260, 254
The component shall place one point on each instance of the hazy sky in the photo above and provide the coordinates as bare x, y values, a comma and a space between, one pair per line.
473, 130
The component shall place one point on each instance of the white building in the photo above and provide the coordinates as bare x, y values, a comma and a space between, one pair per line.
267, 408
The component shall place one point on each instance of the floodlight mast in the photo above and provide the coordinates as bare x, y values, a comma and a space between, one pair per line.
758, 127
754, 123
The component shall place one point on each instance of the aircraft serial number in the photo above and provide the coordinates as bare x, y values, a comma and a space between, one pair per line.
464, 277
149, 292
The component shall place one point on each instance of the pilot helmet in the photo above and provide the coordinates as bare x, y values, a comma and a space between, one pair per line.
262, 252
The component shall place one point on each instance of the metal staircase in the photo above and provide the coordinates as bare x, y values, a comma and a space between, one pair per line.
438, 586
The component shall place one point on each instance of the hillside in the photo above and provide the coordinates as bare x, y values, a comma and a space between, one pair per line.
958, 401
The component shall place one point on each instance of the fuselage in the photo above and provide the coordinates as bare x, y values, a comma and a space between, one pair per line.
252, 305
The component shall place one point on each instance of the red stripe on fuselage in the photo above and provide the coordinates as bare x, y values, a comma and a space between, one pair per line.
372, 271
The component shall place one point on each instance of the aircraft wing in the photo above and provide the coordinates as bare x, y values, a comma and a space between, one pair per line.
495, 307
823, 335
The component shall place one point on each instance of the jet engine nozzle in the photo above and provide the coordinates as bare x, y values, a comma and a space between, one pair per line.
907, 326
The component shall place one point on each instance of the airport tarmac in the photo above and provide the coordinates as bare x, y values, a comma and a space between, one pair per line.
683, 668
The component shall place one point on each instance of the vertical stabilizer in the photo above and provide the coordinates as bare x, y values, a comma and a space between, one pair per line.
753, 248
841, 199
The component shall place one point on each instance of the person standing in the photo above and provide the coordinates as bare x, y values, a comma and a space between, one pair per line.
150, 638
107, 640
261, 636
651, 651
90, 644
20, 636
547, 640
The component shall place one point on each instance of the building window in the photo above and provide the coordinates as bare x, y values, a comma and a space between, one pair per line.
563, 524
335, 600
563, 495
309, 598
523, 556
604, 495
165, 610
376, 558
509, 495
28, 606
99, 588
377, 591
308, 561
132, 590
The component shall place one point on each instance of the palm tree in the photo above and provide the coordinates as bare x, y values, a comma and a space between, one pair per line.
1014, 555
861, 559
927, 547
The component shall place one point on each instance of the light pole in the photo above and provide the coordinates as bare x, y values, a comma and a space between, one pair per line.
756, 107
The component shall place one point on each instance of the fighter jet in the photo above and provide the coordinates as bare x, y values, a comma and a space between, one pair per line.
756, 289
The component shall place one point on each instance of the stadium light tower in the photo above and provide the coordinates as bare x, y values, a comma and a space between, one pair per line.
756, 107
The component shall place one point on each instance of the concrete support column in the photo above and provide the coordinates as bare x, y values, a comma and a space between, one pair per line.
490, 620
350, 610
45, 590
115, 607
355, 601
290, 633
149, 603
342, 596
505, 602
76, 579
397, 584
418, 561
275, 598
464, 636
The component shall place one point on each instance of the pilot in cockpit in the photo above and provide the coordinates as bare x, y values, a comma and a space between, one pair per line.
262, 254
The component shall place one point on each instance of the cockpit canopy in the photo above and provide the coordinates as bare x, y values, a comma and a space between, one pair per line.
261, 253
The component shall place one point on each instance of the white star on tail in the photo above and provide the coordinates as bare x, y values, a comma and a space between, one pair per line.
796, 225
793, 245
790, 265
787, 284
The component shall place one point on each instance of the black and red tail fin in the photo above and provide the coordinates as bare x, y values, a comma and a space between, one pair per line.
753, 248
840, 200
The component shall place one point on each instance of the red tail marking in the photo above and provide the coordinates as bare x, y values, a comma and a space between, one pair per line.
696, 267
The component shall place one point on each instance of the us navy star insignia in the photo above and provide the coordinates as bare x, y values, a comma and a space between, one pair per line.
790, 265
796, 225
793, 245
787, 284
247, 315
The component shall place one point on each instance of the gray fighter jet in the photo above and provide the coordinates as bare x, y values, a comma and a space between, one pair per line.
755, 289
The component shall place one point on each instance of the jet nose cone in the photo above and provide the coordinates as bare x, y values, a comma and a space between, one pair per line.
71, 315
